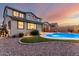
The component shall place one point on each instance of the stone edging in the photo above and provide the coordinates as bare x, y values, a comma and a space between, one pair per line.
34, 43
30, 43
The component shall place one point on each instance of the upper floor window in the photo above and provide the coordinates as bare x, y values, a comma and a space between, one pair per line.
28, 15
21, 15
38, 20
15, 13
33, 17
18, 14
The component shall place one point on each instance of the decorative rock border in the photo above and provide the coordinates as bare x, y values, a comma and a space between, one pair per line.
30, 43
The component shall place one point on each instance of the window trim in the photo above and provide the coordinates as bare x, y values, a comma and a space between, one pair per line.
31, 29
18, 14
14, 15
9, 24
18, 25
21, 15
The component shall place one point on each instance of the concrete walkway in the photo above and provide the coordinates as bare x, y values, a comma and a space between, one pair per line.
11, 47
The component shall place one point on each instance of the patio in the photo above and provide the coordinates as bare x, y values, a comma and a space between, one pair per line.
11, 47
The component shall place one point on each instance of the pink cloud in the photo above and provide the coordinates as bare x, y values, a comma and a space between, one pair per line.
60, 13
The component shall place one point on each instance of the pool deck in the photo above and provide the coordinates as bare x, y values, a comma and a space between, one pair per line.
11, 47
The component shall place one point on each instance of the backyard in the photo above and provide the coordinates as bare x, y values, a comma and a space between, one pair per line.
37, 39
11, 47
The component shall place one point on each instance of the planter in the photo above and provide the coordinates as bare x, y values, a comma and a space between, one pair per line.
30, 43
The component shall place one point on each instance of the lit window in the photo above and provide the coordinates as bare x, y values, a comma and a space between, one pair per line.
15, 13
21, 15
31, 26
20, 25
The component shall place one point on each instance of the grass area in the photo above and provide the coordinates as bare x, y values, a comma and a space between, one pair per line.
36, 39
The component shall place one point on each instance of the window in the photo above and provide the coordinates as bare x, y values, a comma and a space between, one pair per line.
34, 18
38, 20
9, 12
28, 16
18, 14
31, 26
9, 25
15, 13
21, 15
20, 25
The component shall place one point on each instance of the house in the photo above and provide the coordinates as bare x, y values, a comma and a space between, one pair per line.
17, 21
46, 27
54, 27
50, 27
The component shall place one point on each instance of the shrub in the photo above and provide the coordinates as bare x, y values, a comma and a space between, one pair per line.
21, 34
14, 36
34, 32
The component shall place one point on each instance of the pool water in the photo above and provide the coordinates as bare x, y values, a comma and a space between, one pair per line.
62, 36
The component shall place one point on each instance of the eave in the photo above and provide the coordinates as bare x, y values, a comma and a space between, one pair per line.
25, 20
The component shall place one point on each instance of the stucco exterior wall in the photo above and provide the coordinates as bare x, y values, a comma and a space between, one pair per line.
14, 30
39, 27
26, 31
6, 20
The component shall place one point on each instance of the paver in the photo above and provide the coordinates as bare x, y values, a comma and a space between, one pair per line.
11, 47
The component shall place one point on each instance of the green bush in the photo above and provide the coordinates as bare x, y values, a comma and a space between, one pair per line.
34, 32
14, 36
21, 34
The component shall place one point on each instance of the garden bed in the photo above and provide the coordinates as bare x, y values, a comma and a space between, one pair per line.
37, 39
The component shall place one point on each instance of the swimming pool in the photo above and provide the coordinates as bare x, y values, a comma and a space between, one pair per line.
64, 36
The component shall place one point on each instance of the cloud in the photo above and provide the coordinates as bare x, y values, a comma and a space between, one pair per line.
51, 12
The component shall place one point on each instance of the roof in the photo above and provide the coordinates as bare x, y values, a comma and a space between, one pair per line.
13, 9
47, 23
22, 11
22, 19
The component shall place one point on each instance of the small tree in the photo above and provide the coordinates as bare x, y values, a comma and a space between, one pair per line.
21, 34
4, 30
35, 33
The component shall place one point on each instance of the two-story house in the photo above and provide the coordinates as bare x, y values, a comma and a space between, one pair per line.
17, 21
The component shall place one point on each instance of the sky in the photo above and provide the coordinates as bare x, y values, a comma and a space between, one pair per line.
62, 13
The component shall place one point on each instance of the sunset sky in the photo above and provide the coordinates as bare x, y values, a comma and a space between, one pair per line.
63, 14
